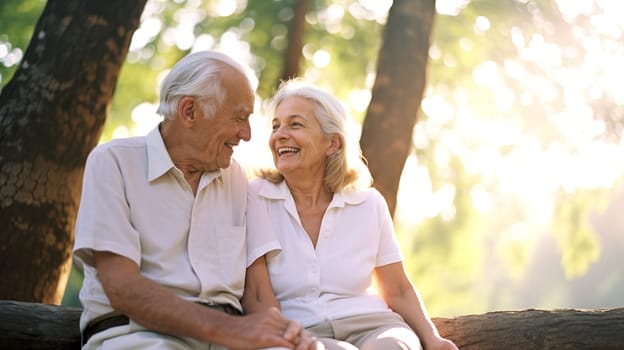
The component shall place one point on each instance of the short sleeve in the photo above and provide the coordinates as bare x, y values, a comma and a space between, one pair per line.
103, 221
261, 238
389, 251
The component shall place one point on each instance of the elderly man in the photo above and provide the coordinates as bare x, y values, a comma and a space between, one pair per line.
161, 233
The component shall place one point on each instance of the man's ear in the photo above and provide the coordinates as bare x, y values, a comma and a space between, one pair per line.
186, 110
334, 144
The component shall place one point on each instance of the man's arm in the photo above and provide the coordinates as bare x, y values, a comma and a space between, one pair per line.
155, 307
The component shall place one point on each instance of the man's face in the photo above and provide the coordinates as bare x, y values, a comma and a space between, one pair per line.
216, 136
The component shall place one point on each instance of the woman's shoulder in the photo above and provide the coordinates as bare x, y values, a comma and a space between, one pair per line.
255, 185
267, 189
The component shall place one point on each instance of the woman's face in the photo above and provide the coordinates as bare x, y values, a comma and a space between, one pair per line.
297, 142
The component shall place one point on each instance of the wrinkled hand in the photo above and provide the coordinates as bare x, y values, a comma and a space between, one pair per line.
308, 341
267, 329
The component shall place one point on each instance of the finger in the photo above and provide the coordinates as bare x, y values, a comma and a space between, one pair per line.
293, 332
309, 342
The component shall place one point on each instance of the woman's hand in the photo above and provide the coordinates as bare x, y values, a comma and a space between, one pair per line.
440, 343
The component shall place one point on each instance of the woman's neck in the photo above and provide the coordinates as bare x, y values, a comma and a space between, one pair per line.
310, 193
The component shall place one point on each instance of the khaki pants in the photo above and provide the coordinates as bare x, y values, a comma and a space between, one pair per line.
133, 336
378, 331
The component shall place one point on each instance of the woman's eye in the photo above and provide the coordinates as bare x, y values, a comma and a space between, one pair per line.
274, 127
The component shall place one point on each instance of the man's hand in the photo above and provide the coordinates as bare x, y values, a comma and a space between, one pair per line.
268, 328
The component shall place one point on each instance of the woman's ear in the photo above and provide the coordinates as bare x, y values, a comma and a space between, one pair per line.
334, 144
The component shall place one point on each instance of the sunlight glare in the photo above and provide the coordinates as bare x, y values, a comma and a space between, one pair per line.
481, 199
415, 195
145, 118
225, 8
482, 25
203, 42
146, 32
437, 109
488, 74
185, 30
450, 7
359, 99
332, 18
543, 54
121, 132
573, 8
321, 58
379, 8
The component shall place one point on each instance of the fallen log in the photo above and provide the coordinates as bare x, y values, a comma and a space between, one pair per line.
38, 326
534, 329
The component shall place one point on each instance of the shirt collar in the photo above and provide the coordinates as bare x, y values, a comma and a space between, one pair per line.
347, 197
274, 191
280, 191
159, 162
158, 159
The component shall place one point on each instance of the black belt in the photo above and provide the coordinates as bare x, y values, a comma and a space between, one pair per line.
115, 320
103, 324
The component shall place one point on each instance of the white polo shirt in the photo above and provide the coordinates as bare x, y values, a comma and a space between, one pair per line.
136, 203
333, 280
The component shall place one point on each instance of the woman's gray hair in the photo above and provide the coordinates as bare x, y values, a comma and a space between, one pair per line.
345, 168
197, 75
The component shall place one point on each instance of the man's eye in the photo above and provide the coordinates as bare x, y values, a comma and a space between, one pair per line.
275, 127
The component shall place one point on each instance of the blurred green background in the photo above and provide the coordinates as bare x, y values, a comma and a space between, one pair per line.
512, 195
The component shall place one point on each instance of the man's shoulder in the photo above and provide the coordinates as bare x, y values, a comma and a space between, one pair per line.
127, 142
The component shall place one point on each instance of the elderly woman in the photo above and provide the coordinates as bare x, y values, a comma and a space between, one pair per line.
336, 233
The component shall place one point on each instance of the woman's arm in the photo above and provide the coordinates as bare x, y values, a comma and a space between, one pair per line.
258, 294
398, 292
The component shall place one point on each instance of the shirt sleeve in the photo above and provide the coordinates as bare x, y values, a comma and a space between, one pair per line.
261, 238
389, 251
103, 221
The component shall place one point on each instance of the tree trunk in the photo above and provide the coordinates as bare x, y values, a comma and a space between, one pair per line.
397, 93
37, 326
51, 116
296, 31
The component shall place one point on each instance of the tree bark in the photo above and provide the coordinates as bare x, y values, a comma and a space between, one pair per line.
397, 92
537, 330
296, 31
38, 326
51, 116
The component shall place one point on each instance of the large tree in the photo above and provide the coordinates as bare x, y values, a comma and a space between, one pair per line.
51, 115
397, 92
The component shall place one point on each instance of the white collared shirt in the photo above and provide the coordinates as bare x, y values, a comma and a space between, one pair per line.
333, 280
137, 204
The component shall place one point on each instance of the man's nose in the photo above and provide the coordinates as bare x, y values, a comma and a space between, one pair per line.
245, 132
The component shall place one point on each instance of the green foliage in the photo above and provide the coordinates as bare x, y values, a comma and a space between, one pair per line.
70, 298
577, 241
463, 259
17, 22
